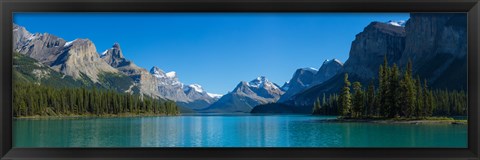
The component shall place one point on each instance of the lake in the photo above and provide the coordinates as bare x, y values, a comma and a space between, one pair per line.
231, 131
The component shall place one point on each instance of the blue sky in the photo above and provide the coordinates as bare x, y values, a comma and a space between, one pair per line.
215, 50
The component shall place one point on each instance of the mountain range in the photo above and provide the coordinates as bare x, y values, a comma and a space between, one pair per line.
79, 62
434, 42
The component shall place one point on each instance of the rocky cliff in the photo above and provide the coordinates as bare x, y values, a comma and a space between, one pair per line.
436, 43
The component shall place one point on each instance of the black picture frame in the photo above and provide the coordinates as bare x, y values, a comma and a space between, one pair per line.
472, 7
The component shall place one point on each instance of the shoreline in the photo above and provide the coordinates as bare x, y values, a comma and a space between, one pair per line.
393, 121
333, 120
124, 115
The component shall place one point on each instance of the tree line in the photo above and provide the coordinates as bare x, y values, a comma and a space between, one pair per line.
39, 100
398, 95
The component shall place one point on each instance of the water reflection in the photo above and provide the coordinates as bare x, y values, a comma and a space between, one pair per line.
230, 131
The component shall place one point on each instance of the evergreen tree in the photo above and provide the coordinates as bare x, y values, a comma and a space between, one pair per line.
370, 100
394, 93
358, 101
409, 92
346, 99
317, 108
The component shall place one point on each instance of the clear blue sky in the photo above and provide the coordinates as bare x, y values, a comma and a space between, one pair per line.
215, 50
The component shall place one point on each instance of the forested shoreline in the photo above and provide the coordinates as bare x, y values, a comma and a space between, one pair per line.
398, 95
39, 100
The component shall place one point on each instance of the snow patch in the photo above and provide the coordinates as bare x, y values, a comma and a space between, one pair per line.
213, 95
310, 69
31, 37
104, 52
158, 75
400, 23
68, 43
258, 82
171, 74
332, 60
196, 87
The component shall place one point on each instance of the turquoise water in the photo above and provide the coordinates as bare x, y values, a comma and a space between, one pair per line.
231, 131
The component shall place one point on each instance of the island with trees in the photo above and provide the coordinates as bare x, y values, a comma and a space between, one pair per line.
400, 96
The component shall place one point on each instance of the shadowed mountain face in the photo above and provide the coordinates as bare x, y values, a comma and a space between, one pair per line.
436, 44
304, 78
328, 69
247, 95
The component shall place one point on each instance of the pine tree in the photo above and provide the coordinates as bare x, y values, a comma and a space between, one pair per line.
409, 92
426, 100
384, 102
346, 99
370, 100
358, 101
317, 108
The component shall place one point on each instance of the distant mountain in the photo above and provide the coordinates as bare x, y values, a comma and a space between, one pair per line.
200, 99
168, 85
328, 69
301, 79
247, 95
304, 78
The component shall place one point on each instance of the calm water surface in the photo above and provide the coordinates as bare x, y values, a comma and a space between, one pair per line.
231, 131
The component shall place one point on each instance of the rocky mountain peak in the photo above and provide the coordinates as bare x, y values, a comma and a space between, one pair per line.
262, 82
157, 71
80, 57
386, 28
114, 56
116, 45
258, 82
332, 61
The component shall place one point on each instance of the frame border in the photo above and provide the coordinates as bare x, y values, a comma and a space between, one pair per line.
7, 7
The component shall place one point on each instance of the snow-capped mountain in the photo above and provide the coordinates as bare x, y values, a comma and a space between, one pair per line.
192, 96
247, 95
168, 78
199, 98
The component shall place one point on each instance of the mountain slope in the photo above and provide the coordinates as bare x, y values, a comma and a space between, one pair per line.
29, 70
